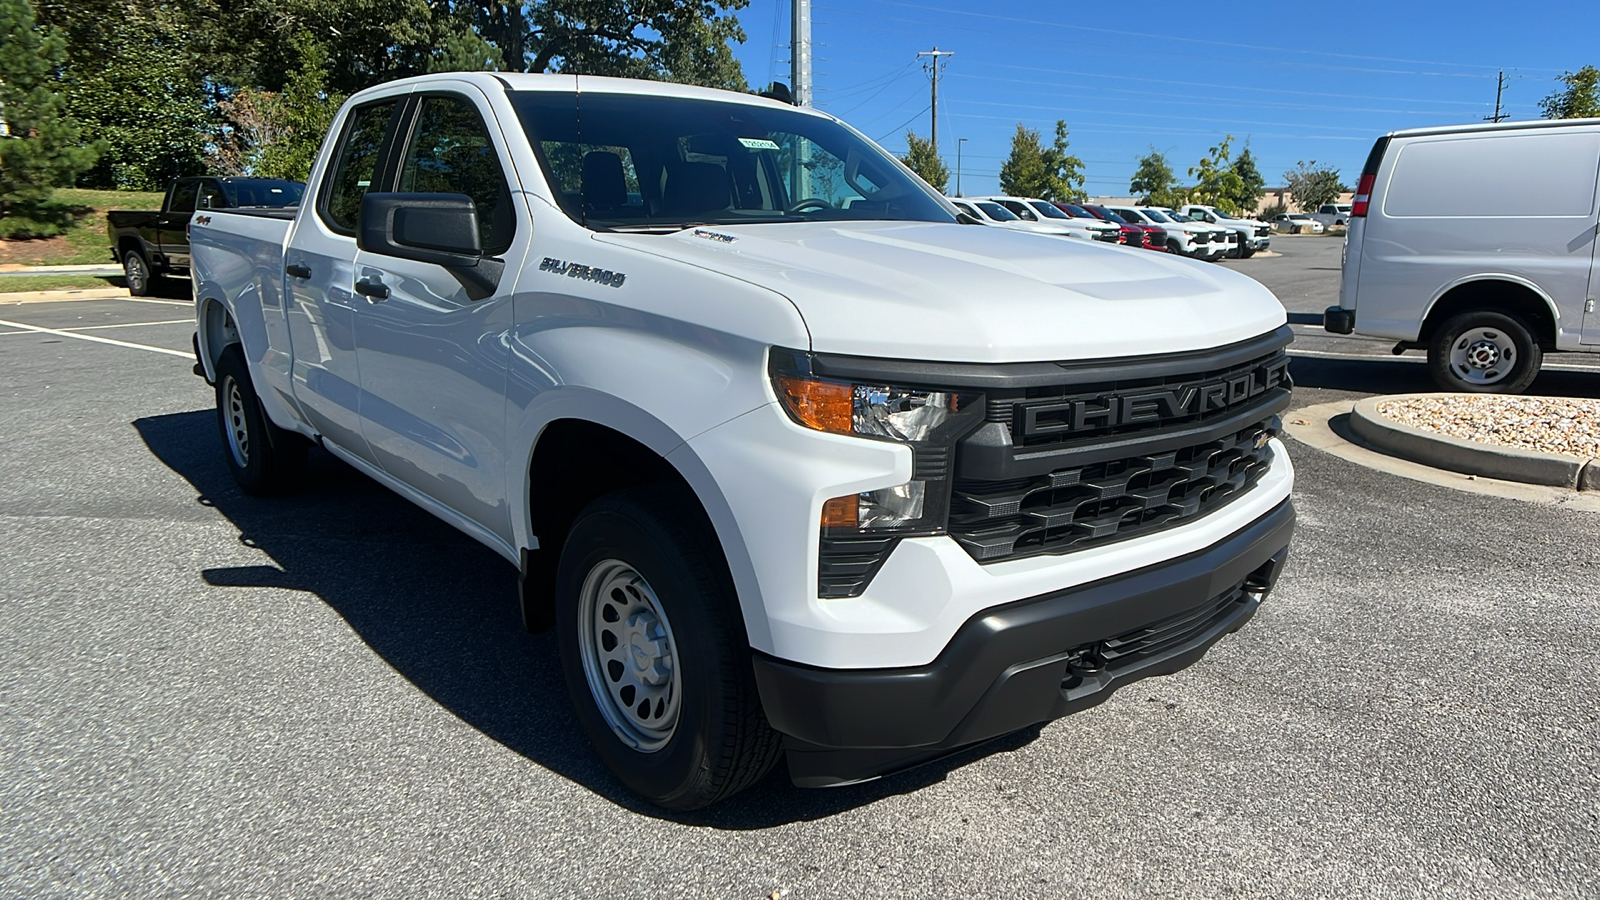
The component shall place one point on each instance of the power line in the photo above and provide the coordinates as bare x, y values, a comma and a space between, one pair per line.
1167, 37
902, 124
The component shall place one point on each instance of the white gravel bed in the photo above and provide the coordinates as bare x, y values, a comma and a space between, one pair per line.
1545, 424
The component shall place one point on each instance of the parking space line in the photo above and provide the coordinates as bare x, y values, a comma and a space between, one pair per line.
118, 325
23, 326
152, 300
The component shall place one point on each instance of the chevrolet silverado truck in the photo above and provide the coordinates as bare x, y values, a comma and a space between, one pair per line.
1253, 235
150, 244
798, 466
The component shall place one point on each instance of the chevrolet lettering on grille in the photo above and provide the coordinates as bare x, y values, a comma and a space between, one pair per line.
1154, 405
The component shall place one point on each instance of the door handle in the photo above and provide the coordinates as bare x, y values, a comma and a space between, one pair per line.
372, 289
297, 270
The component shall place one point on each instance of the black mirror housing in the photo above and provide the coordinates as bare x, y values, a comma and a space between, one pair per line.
433, 228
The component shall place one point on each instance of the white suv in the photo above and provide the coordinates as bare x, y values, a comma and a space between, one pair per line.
1032, 209
991, 213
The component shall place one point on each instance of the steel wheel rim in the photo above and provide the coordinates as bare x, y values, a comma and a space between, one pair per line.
235, 424
1483, 356
133, 268
630, 659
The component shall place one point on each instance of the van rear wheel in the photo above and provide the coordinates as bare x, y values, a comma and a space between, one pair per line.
1484, 352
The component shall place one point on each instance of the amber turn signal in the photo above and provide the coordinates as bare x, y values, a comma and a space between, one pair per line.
823, 405
841, 512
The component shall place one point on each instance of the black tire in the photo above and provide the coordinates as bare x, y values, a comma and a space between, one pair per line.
264, 458
1246, 253
720, 742
1174, 247
1484, 352
137, 273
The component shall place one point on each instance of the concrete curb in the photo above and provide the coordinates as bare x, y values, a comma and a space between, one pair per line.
105, 293
1470, 457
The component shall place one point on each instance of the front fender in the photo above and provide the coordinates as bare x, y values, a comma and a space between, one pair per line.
600, 408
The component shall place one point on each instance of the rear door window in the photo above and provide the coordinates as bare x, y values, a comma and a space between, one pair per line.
183, 196
357, 165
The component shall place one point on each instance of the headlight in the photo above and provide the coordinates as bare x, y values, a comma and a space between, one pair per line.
928, 421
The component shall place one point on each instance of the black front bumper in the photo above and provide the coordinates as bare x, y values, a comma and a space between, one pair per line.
1022, 663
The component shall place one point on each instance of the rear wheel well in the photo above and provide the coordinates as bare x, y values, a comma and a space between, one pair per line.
1492, 295
220, 331
574, 463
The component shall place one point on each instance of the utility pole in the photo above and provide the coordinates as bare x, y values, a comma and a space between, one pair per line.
800, 52
933, 68
1499, 88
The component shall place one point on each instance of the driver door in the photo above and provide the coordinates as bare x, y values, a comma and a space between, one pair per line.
431, 345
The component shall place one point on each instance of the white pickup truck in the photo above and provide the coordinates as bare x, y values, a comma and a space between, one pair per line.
798, 466
1253, 235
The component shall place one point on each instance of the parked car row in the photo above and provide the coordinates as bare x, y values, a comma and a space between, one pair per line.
1200, 232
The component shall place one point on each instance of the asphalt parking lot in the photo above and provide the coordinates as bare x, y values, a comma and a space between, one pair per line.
330, 694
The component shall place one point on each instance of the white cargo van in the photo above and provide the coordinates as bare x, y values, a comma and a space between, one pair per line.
1477, 243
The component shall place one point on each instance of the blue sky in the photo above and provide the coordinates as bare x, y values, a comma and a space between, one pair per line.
1300, 81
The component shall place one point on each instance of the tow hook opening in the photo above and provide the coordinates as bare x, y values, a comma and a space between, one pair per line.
1086, 665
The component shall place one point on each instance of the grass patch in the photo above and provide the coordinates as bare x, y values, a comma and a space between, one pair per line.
27, 283
85, 243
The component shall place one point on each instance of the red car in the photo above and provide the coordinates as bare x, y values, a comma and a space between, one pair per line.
1153, 238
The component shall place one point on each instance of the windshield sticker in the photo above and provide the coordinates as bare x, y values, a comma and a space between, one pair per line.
714, 236
758, 143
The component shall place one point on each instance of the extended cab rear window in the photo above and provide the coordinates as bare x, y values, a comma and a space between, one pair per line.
640, 162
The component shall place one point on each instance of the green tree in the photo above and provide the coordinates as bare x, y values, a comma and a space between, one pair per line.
146, 101
1033, 170
921, 159
41, 147
1251, 185
1580, 99
1313, 185
1216, 183
1156, 182
302, 112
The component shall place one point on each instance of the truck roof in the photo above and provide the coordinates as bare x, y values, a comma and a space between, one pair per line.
1494, 126
518, 81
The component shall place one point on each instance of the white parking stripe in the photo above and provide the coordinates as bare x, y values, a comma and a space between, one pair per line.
151, 300
22, 326
118, 325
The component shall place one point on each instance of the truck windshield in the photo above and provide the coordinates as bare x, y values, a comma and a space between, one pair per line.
1048, 211
1220, 214
1156, 217
648, 163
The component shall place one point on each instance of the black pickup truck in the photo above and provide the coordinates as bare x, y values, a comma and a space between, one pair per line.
150, 244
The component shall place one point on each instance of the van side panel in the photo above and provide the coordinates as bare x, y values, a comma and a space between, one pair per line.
1451, 208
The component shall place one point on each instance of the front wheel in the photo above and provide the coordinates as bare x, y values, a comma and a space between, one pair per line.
136, 272
1246, 253
1484, 353
654, 653
264, 458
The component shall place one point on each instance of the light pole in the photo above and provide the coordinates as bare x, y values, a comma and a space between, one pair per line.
959, 142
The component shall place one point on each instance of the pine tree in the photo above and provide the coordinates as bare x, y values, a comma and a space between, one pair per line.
1032, 170
921, 159
40, 145
1251, 184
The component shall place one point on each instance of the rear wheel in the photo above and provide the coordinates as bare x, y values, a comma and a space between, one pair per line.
1485, 353
136, 272
264, 458
654, 652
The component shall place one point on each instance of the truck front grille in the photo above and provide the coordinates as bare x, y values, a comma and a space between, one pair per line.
1073, 508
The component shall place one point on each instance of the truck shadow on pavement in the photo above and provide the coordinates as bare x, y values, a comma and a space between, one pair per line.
441, 610
1379, 375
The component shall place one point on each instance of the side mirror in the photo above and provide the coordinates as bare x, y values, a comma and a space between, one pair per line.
205, 202
433, 228
441, 229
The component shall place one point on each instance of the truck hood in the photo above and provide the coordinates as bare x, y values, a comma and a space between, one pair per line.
959, 293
